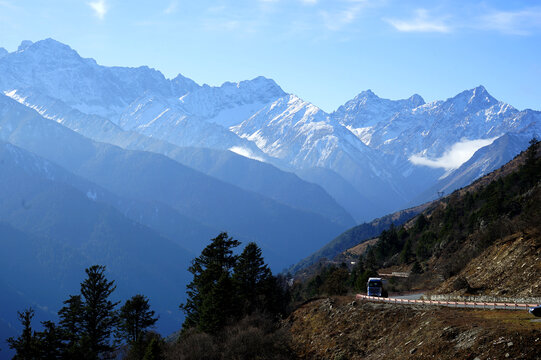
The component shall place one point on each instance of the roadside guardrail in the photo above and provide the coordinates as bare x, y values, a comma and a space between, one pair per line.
462, 304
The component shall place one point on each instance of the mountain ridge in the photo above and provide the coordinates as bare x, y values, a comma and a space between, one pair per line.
369, 141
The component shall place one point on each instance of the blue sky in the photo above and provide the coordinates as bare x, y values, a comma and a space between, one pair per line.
324, 51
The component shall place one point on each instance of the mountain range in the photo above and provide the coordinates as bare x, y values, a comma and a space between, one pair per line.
111, 164
388, 151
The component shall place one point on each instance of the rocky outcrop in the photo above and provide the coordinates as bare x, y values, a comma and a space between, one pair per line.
340, 328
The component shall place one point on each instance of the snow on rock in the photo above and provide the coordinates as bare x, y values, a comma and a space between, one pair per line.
92, 195
166, 119
304, 136
54, 69
381, 146
25, 44
407, 127
231, 103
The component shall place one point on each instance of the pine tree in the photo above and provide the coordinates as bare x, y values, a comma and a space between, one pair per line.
407, 252
416, 268
27, 344
530, 169
370, 262
135, 318
153, 350
98, 316
336, 282
252, 279
420, 224
209, 295
218, 306
71, 322
50, 341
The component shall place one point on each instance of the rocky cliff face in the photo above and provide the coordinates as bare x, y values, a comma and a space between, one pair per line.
511, 267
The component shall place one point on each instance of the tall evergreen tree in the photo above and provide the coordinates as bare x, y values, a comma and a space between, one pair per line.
135, 318
99, 317
407, 252
531, 166
153, 350
252, 277
218, 305
71, 322
209, 302
50, 341
26, 345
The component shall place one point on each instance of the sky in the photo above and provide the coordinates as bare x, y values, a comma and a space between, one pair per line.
324, 51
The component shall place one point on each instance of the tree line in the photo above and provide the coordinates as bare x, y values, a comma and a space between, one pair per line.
227, 289
90, 325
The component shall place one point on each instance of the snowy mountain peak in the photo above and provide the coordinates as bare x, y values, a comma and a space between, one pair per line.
416, 100
182, 85
24, 45
368, 97
367, 109
48, 53
3, 52
481, 93
260, 85
293, 107
477, 97
367, 94
231, 103
47, 47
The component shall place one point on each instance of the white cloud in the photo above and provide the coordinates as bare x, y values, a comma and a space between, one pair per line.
457, 155
336, 20
100, 8
246, 153
309, 2
221, 24
172, 8
422, 22
519, 22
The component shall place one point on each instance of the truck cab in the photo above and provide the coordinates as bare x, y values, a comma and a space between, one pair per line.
374, 287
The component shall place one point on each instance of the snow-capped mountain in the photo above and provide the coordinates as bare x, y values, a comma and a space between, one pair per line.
228, 166
366, 110
152, 178
138, 99
202, 116
304, 136
388, 151
54, 69
429, 128
231, 103
166, 119
441, 135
